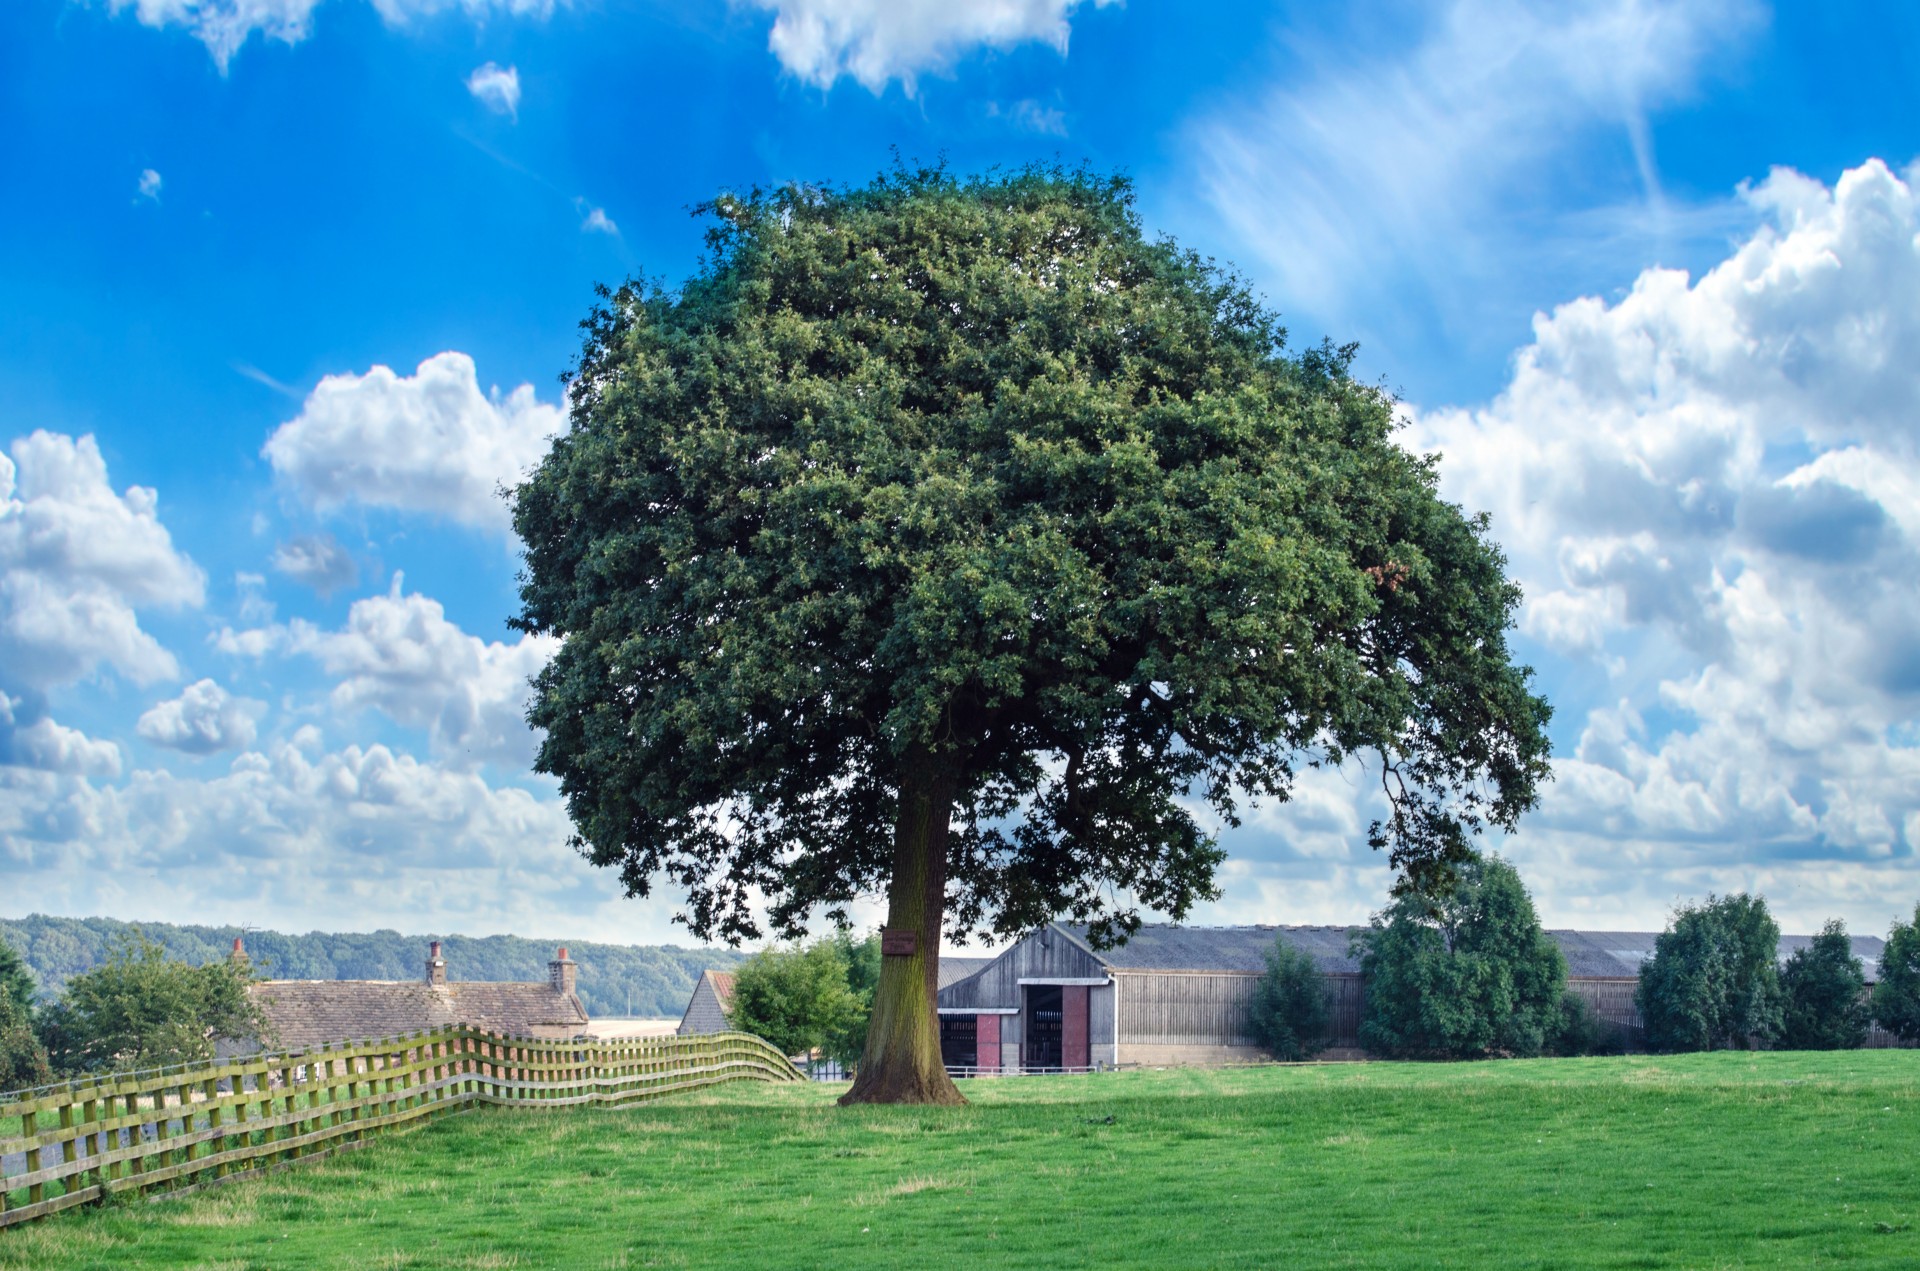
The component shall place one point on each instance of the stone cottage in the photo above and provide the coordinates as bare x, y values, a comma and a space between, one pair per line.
304, 1013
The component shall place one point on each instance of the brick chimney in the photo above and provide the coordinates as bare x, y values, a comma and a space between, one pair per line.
562, 971
436, 966
239, 955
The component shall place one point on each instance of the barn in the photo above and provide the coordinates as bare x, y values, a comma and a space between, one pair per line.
1178, 995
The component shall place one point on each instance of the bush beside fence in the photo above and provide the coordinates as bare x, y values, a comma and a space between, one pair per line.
186, 1127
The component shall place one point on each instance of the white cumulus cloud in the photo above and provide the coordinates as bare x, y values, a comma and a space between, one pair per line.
203, 720
429, 442
1708, 490
359, 837
29, 738
497, 88
398, 654
598, 222
149, 185
76, 563
877, 41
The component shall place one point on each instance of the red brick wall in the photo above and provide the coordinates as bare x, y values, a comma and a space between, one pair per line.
987, 1038
1074, 1052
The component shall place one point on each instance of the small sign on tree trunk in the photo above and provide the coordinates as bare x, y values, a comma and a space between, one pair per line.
898, 942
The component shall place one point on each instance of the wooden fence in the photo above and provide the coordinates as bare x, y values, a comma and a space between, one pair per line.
176, 1128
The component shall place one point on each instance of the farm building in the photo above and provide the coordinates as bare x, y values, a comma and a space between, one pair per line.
306, 1013
707, 1008
1179, 995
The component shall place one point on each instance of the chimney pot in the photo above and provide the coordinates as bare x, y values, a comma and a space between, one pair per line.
239, 954
436, 966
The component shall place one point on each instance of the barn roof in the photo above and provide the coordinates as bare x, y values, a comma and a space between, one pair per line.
310, 1012
953, 970
1165, 947
1589, 954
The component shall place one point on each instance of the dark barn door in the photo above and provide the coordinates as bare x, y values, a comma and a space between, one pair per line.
1044, 1018
959, 1041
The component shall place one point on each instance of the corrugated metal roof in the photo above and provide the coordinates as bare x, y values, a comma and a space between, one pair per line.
1164, 947
953, 970
1589, 954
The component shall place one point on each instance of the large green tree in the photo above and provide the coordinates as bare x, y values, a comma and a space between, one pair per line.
940, 537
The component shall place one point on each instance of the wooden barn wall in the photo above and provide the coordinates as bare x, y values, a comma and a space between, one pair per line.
1046, 954
1210, 1008
1175, 1008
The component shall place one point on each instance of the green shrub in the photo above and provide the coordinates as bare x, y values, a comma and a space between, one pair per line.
1825, 990
1896, 998
1292, 1010
1467, 974
796, 998
1578, 1031
143, 1009
1712, 983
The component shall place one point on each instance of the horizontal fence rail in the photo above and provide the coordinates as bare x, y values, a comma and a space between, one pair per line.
186, 1127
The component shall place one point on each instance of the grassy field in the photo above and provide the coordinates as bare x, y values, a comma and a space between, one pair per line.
1726, 1160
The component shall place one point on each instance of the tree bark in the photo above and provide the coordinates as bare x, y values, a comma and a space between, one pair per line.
901, 1063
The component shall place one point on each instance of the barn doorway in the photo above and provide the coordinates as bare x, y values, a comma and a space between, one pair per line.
959, 1041
1045, 1015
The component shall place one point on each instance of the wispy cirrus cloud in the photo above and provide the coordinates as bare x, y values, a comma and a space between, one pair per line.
1400, 189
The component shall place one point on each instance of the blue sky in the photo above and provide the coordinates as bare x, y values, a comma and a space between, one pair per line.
288, 285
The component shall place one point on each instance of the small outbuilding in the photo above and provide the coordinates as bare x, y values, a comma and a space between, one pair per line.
707, 1009
305, 1013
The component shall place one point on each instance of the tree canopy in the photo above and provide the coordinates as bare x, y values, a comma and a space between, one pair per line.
1292, 1009
1896, 990
941, 537
143, 1009
1466, 974
1824, 989
1713, 983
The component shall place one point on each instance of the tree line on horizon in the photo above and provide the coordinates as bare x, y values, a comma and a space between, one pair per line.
1473, 974
613, 979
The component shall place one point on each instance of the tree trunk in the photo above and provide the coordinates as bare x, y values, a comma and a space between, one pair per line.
901, 1063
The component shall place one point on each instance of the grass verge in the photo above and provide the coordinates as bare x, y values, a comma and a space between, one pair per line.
1724, 1160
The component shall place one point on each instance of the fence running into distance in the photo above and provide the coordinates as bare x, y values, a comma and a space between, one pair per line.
184, 1127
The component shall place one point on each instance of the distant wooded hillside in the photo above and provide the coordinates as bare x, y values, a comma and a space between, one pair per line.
615, 979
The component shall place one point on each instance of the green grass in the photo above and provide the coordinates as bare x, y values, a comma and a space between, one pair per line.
1727, 1160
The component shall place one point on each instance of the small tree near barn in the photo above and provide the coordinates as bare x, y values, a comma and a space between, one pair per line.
1467, 974
1825, 990
1896, 992
940, 536
1292, 1009
142, 1009
1712, 983
796, 998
